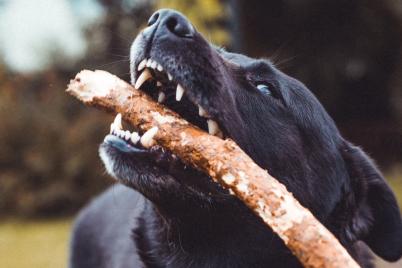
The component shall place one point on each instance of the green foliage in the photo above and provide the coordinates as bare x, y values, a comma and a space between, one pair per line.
48, 156
49, 164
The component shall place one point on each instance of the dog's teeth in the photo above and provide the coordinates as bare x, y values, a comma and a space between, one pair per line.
142, 65
149, 62
158, 83
120, 133
201, 111
134, 137
117, 122
127, 135
147, 140
179, 92
159, 68
154, 64
161, 97
112, 128
213, 127
169, 76
145, 75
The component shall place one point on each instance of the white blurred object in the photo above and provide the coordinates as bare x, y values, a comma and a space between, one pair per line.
36, 34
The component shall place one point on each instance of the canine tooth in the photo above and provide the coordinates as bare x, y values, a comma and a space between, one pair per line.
147, 139
134, 137
159, 68
117, 122
179, 92
145, 75
142, 64
213, 127
153, 65
111, 128
158, 83
127, 135
169, 76
161, 97
201, 111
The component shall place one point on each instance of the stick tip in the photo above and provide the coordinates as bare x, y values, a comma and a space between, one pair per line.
88, 84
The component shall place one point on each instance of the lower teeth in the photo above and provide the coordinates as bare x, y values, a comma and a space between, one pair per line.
213, 127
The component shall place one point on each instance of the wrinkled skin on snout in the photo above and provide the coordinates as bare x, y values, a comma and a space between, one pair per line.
187, 219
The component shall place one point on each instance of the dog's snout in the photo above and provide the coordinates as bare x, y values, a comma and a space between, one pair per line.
171, 22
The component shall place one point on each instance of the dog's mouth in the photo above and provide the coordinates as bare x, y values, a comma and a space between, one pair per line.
124, 150
153, 78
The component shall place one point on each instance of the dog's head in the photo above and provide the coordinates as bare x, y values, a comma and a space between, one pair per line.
274, 118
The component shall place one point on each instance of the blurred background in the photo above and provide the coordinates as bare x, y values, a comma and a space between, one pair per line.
348, 52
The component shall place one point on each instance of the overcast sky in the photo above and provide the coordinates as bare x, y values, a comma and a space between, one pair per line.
35, 33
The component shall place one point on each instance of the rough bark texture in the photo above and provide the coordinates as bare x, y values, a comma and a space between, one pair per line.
224, 161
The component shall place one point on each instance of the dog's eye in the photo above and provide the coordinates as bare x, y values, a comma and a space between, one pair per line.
265, 89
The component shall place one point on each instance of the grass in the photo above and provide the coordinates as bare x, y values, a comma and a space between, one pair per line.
36, 244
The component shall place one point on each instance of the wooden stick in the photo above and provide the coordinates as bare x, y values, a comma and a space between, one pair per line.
224, 161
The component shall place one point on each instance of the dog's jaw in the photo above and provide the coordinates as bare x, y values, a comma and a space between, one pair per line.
107, 161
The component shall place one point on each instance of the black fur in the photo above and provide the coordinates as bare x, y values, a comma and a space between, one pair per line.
183, 219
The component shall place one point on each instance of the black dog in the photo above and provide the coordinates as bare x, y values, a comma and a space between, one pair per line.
171, 215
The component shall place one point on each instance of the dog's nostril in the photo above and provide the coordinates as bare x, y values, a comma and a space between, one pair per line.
171, 24
179, 26
153, 18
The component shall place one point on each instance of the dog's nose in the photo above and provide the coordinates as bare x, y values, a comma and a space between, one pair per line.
171, 22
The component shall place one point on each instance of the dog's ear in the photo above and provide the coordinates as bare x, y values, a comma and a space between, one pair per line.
377, 204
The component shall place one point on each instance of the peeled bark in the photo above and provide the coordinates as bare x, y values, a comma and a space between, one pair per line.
224, 161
